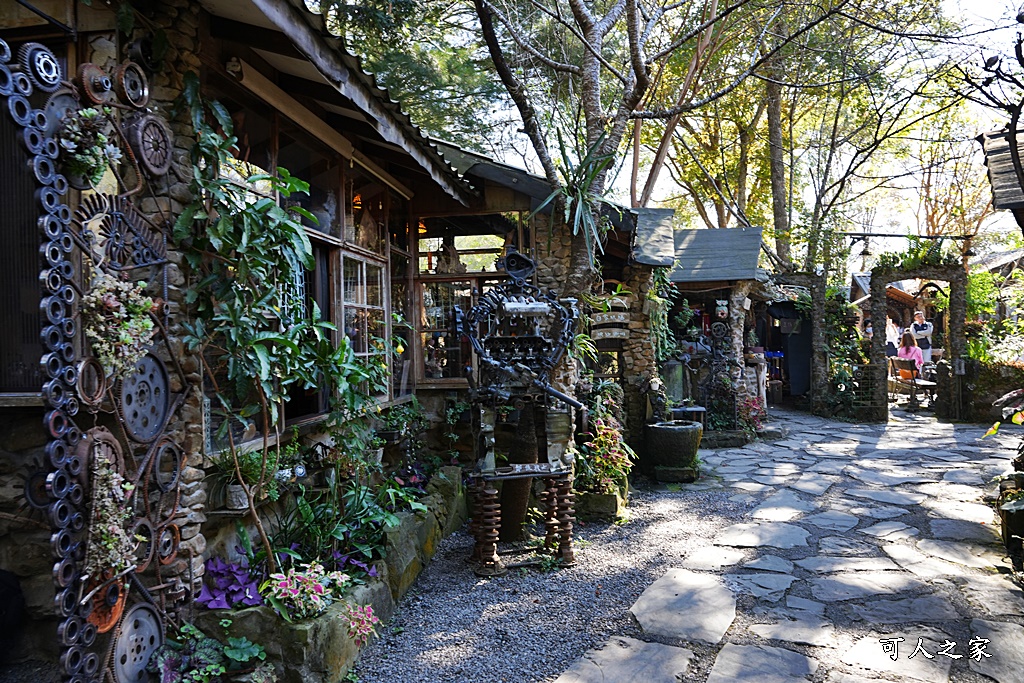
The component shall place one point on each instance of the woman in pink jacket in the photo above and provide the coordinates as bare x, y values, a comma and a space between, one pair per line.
908, 350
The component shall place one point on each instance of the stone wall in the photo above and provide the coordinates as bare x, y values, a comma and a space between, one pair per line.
162, 203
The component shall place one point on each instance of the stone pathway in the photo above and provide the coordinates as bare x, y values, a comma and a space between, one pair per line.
869, 553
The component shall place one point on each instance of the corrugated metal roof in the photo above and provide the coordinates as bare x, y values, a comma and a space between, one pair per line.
654, 243
1006, 190
704, 255
996, 260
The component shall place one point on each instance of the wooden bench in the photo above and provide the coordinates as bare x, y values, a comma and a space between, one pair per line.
905, 375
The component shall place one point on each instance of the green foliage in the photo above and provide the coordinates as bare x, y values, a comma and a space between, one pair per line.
256, 471
604, 459
580, 205
843, 347
347, 518
194, 657
258, 336
982, 294
919, 253
583, 348
662, 295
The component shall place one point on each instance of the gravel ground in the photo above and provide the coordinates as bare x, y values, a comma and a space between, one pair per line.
530, 625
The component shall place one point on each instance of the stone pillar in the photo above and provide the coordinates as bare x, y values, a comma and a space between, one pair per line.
638, 358
164, 200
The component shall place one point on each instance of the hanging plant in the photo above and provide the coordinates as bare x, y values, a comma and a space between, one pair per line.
86, 149
118, 323
111, 547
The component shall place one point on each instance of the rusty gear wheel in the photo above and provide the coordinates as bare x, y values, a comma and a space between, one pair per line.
95, 84
151, 141
131, 85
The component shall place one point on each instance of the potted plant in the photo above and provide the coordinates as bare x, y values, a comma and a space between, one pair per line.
118, 323
85, 148
603, 459
507, 413
246, 469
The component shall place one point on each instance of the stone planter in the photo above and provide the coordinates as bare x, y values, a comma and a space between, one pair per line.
601, 507
312, 650
670, 450
319, 650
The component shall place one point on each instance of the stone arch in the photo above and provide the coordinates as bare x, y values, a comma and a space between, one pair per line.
948, 403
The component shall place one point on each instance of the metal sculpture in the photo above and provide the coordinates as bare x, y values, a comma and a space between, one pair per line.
519, 335
110, 620
717, 385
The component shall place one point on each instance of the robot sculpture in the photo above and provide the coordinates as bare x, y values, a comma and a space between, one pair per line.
519, 334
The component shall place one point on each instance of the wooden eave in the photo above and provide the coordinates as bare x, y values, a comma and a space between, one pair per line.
283, 37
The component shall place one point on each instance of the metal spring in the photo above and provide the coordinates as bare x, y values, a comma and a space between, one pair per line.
550, 500
566, 517
490, 521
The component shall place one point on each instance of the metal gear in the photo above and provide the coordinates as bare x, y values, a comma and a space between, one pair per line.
145, 399
107, 603
141, 633
131, 85
61, 104
95, 84
41, 65
151, 141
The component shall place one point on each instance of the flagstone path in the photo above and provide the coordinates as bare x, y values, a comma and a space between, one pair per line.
869, 553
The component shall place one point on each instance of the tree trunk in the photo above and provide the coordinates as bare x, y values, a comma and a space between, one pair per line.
780, 198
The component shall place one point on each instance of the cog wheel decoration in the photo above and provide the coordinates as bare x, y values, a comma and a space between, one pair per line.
95, 84
145, 399
41, 65
141, 634
107, 603
109, 623
131, 85
59, 106
152, 143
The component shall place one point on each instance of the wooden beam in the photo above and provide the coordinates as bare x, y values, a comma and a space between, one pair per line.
329, 60
253, 36
262, 87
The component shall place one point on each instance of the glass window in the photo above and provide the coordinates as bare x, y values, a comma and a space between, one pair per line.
298, 153
398, 221
366, 202
364, 318
467, 244
444, 355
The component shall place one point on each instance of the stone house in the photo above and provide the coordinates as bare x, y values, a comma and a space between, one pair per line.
404, 226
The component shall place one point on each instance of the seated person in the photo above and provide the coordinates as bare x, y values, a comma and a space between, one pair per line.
909, 351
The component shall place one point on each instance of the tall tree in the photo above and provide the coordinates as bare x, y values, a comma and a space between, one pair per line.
597, 63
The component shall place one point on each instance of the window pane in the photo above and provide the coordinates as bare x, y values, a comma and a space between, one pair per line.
398, 220
355, 328
443, 355
354, 291
374, 285
307, 160
438, 300
365, 218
